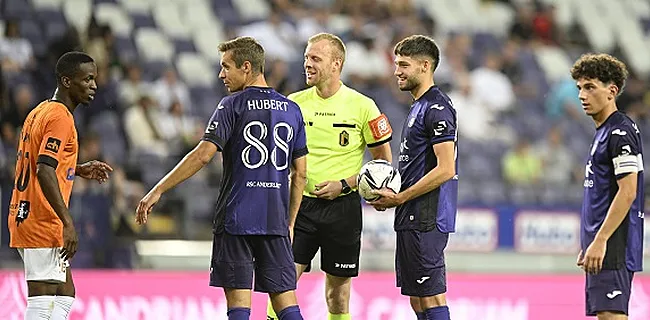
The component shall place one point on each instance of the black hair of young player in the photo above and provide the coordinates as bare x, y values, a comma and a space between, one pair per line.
601, 66
68, 64
419, 46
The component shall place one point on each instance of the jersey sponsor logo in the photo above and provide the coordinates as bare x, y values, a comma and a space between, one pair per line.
53, 144
547, 232
380, 127
212, 127
619, 132
476, 231
403, 157
70, 174
23, 212
263, 184
440, 128
345, 265
324, 114
625, 150
589, 183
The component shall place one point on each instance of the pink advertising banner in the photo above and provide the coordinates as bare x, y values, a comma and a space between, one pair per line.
145, 295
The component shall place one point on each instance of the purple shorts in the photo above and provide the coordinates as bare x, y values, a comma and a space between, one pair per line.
608, 290
236, 258
420, 262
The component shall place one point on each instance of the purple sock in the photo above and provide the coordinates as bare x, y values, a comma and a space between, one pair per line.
239, 314
421, 315
290, 313
437, 313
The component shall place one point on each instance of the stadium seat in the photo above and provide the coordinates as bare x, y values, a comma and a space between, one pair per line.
108, 126
142, 20
153, 46
115, 17
47, 4
597, 29
638, 8
252, 10
136, 6
206, 41
78, 13
446, 15
17, 9
500, 17
195, 70
126, 48
169, 19
199, 15
554, 62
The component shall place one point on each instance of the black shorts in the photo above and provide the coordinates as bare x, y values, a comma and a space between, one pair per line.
334, 226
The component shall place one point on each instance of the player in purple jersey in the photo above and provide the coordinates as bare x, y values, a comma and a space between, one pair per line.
612, 210
426, 206
261, 135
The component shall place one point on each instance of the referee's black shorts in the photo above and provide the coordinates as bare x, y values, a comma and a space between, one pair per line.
334, 226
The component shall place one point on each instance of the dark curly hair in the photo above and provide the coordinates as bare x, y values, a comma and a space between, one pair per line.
601, 66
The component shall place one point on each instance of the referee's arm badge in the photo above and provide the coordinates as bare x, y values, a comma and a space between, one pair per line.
380, 127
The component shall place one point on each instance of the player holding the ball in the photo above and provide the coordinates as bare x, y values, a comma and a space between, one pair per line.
426, 206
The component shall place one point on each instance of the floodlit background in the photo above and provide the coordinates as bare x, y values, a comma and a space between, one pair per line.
523, 139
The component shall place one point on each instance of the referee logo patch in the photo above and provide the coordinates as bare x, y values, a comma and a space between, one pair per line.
344, 138
380, 127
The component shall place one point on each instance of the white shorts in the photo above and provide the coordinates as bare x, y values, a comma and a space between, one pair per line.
44, 264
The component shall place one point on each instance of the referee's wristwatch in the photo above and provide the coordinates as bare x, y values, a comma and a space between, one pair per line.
345, 187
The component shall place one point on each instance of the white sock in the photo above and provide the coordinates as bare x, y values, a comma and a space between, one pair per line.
39, 307
62, 307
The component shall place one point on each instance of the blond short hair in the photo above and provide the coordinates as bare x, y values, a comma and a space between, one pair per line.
337, 44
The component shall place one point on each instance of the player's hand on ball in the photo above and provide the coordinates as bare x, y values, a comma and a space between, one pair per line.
387, 199
328, 190
145, 206
594, 256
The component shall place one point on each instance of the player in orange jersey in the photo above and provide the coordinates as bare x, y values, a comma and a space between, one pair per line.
40, 225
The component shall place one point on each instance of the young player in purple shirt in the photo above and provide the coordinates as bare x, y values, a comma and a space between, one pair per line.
262, 137
426, 206
612, 210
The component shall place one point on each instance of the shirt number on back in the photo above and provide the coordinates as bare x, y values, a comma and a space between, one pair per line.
256, 144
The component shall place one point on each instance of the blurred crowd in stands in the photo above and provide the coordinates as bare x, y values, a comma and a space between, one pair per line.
523, 137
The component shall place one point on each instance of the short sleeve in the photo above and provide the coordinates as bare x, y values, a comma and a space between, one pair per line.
220, 126
300, 146
440, 123
376, 127
58, 130
624, 150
